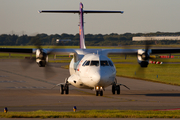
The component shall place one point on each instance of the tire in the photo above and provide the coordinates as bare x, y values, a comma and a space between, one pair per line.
101, 93
62, 89
67, 89
113, 89
97, 93
118, 89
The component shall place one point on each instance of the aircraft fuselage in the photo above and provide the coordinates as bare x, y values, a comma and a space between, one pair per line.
93, 70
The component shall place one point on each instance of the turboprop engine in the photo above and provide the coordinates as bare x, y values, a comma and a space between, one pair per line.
41, 57
143, 57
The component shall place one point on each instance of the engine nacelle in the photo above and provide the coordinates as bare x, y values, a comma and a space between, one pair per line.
143, 57
41, 57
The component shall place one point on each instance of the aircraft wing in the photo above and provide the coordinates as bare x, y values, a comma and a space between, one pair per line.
33, 51
86, 51
120, 51
17, 50
164, 51
135, 51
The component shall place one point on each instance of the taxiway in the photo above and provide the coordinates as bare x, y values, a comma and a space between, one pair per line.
29, 90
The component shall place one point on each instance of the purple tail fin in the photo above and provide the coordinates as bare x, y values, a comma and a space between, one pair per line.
81, 27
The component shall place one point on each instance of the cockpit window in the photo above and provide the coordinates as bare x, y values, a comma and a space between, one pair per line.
110, 63
94, 63
86, 63
104, 63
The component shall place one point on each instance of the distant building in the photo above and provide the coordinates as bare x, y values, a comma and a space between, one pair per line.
143, 38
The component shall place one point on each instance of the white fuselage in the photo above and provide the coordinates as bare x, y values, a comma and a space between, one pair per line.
92, 70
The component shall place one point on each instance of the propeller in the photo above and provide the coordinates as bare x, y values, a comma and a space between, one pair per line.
145, 56
144, 60
41, 56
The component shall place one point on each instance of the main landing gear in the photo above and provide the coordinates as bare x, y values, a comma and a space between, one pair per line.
64, 88
116, 87
99, 91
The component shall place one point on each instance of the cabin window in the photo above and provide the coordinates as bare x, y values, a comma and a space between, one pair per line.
94, 63
110, 63
104, 63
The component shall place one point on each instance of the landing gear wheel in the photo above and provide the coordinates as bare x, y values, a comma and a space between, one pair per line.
101, 93
67, 89
99, 90
97, 93
62, 89
113, 89
118, 89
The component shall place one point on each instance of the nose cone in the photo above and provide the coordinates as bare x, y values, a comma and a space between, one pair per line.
96, 77
103, 78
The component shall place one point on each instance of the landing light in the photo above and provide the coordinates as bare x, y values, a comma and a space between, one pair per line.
97, 87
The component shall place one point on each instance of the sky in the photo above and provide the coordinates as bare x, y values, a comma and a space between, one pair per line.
140, 16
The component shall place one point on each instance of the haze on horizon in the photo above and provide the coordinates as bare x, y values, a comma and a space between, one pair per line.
21, 16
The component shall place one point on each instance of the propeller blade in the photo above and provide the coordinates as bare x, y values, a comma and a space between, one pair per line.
49, 72
140, 72
26, 63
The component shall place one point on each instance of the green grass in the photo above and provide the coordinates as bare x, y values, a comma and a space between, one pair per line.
93, 114
168, 74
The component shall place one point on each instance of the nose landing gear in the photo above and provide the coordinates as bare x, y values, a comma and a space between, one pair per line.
99, 91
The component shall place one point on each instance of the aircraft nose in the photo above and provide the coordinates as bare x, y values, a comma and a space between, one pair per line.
96, 77
101, 78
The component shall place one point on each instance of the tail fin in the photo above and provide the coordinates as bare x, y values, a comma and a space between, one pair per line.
81, 27
81, 19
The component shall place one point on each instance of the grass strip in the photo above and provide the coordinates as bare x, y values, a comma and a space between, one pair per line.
168, 74
93, 114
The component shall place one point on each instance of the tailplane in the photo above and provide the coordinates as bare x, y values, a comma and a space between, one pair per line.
81, 19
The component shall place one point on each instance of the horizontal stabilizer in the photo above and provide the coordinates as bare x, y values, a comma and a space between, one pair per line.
77, 11
58, 11
96, 11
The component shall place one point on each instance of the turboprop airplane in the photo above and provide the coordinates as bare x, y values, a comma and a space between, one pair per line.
89, 68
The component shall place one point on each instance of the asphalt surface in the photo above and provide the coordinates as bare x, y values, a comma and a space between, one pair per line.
91, 118
29, 89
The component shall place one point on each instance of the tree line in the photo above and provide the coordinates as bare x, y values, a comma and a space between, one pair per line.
112, 39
